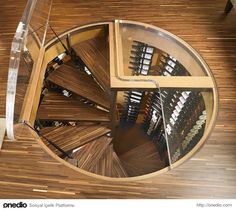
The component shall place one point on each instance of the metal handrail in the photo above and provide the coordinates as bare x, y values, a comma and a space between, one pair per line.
142, 80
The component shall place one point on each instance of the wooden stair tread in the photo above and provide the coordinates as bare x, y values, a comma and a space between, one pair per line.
89, 155
117, 169
79, 83
105, 164
95, 54
71, 137
109, 164
55, 106
131, 169
142, 159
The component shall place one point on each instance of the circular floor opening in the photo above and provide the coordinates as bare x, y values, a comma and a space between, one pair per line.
125, 99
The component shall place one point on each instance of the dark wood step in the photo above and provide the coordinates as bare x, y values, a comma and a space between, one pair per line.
79, 83
105, 164
71, 137
55, 106
117, 168
89, 154
109, 164
95, 54
142, 159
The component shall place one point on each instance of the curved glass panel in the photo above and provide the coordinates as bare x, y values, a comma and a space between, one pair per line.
176, 119
187, 115
158, 50
28, 40
139, 124
140, 108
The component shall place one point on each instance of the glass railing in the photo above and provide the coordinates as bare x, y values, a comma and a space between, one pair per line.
178, 114
139, 109
139, 121
187, 113
168, 48
25, 51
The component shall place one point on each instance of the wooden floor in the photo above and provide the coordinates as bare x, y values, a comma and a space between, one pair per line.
27, 171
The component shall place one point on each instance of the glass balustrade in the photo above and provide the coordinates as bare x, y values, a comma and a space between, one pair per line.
181, 110
25, 52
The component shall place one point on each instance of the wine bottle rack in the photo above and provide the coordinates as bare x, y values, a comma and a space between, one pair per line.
179, 106
140, 62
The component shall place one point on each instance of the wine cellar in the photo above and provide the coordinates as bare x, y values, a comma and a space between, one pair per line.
113, 94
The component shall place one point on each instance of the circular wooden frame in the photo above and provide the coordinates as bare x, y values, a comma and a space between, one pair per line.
172, 39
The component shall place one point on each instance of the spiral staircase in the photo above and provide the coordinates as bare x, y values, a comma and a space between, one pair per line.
107, 98
74, 114
31, 167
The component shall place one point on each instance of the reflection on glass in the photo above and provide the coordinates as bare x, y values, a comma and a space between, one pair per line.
28, 40
179, 125
185, 119
148, 60
166, 53
139, 123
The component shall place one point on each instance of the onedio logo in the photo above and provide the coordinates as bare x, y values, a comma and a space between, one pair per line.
15, 205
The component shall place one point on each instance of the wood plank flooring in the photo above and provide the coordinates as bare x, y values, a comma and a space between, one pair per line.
27, 171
